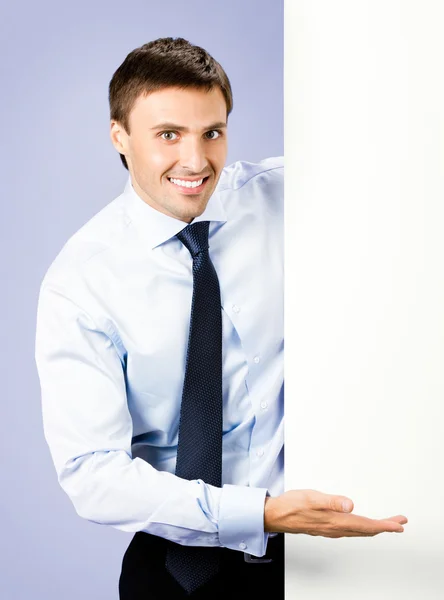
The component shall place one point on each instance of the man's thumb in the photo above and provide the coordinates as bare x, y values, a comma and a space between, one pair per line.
339, 503
344, 504
324, 501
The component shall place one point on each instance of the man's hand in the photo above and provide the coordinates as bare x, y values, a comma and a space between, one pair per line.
315, 513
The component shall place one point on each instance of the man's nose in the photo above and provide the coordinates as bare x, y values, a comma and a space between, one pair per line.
192, 155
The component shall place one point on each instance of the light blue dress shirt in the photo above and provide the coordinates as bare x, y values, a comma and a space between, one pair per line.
112, 331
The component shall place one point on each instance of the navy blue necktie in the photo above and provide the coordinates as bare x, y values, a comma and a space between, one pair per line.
199, 451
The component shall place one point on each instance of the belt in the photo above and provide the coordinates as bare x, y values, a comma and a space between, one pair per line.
274, 553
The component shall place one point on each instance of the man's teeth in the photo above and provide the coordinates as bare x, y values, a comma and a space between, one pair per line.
188, 184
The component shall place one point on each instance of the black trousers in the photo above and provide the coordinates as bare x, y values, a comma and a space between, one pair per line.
144, 576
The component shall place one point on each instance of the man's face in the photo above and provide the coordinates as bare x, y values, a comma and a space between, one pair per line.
178, 134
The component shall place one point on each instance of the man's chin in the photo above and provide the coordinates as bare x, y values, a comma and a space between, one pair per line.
188, 213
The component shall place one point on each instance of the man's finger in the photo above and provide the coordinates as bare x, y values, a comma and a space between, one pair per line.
390, 525
399, 519
358, 524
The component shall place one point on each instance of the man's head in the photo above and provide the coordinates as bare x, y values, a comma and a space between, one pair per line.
169, 106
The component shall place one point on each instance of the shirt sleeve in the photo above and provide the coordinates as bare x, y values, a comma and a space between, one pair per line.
241, 519
88, 428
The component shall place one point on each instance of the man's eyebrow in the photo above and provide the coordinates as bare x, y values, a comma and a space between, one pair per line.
172, 126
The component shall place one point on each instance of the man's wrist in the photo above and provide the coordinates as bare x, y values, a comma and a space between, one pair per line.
270, 514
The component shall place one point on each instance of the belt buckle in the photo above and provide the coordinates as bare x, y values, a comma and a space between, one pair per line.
249, 558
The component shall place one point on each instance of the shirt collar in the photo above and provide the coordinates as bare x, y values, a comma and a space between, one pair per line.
157, 227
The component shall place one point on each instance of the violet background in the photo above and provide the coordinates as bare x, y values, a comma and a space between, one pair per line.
58, 169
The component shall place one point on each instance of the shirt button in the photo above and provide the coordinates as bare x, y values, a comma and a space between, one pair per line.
264, 404
256, 359
236, 309
260, 452
242, 545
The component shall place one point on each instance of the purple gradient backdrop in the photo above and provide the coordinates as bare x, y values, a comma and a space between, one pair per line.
58, 169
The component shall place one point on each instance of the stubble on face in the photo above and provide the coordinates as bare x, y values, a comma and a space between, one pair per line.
156, 153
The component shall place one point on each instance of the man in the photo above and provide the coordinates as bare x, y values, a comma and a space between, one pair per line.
160, 348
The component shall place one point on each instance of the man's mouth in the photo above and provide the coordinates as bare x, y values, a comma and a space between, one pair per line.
188, 186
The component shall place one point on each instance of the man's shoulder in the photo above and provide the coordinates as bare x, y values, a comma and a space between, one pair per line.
253, 189
240, 173
101, 233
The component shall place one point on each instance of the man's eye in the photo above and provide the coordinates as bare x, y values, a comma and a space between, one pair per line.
169, 133
216, 131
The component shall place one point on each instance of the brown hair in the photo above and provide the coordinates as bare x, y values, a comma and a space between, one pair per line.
159, 64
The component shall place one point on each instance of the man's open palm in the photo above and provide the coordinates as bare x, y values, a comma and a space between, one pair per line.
315, 513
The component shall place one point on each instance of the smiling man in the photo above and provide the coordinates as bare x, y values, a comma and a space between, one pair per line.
160, 349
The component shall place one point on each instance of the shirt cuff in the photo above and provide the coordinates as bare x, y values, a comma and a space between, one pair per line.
241, 519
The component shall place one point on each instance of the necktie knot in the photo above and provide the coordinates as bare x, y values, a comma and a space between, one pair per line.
195, 237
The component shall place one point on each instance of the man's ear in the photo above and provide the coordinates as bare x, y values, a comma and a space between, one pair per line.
119, 137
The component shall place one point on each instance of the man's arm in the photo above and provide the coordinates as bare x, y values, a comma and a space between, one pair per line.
88, 428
